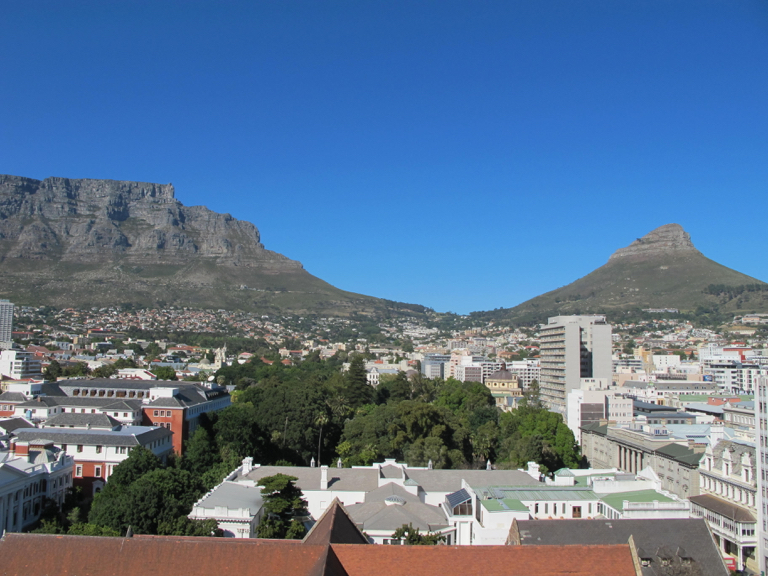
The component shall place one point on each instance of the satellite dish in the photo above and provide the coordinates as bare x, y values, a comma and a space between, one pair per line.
211, 378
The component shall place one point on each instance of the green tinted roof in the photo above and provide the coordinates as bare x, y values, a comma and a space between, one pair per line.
616, 501
505, 505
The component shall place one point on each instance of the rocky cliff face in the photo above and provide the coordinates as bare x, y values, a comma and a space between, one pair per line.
134, 222
663, 241
83, 243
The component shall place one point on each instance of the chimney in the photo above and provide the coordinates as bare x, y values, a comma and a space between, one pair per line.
323, 477
247, 465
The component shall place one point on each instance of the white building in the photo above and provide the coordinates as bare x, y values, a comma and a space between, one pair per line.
597, 400
761, 417
572, 348
236, 506
33, 472
19, 365
97, 450
6, 324
728, 485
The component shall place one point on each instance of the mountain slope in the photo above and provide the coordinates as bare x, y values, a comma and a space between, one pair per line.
663, 269
103, 242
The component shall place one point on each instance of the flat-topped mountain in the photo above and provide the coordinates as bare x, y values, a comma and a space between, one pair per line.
663, 269
88, 242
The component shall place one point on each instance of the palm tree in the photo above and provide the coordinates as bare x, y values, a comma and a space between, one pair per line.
321, 420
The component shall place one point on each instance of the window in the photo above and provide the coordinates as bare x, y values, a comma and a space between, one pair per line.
97, 471
78, 471
79, 447
63, 447
576, 511
157, 412
168, 413
98, 449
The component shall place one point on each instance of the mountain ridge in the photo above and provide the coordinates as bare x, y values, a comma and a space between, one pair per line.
662, 269
90, 242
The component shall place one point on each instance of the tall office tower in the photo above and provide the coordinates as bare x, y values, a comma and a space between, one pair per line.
6, 321
761, 444
572, 348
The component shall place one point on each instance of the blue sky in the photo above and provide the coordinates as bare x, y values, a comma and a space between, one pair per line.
462, 155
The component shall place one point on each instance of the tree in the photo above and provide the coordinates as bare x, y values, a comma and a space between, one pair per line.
153, 504
412, 537
201, 452
283, 503
140, 461
321, 420
164, 373
53, 371
357, 390
105, 371
152, 351
532, 397
79, 369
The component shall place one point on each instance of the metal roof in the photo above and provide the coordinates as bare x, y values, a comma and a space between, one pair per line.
457, 498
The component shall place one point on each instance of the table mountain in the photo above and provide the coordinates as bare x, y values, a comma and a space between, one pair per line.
75, 243
663, 269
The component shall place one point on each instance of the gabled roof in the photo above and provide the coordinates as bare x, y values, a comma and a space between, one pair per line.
12, 397
374, 560
648, 535
335, 527
596, 427
25, 554
75, 420
12, 424
125, 436
389, 507
723, 507
682, 454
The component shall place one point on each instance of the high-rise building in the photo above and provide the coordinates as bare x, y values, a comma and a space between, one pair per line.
6, 321
761, 444
572, 348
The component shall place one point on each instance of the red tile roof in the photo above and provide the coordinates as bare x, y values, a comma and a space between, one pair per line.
615, 560
43, 554
47, 554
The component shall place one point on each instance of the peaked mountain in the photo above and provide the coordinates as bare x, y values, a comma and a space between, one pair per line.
83, 243
663, 269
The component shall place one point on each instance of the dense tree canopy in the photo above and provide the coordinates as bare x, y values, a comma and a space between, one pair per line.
284, 505
150, 498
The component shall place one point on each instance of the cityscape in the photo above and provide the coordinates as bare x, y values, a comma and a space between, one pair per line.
662, 416
401, 288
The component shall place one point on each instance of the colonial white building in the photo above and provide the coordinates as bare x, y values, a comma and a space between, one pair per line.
31, 473
727, 499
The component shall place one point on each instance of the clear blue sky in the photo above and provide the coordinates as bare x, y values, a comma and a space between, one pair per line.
462, 155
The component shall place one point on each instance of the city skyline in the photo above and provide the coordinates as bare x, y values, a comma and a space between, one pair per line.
421, 141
